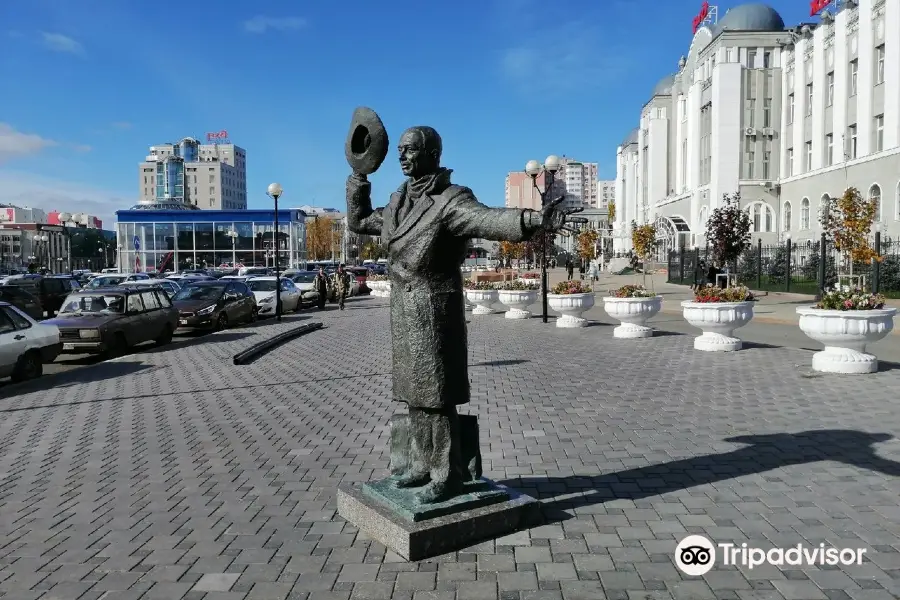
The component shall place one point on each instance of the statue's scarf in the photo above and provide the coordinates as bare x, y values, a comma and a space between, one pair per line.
434, 183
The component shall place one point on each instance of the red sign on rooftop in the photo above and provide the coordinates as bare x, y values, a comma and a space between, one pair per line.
701, 16
217, 137
816, 6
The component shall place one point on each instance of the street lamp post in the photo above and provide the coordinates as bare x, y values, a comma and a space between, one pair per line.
274, 191
234, 235
549, 169
41, 239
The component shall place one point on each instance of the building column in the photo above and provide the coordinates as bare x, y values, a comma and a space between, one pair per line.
866, 47
891, 74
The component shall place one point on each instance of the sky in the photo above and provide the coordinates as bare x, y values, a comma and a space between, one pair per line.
86, 87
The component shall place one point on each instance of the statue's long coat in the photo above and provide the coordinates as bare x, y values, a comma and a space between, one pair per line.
425, 251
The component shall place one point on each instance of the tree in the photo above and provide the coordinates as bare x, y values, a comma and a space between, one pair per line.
810, 269
847, 221
728, 231
322, 238
535, 245
586, 241
611, 212
643, 238
373, 250
511, 251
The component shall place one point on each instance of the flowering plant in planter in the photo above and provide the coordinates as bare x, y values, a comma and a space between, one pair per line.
848, 298
737, 293
519, 286
633, 291
531, 276
479, 285
566, 288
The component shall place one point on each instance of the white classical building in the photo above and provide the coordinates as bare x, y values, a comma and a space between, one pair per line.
786, 116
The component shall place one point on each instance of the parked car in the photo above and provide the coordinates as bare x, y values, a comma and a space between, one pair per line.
112, 320
354, 286
170, 287
23, 300
360, 273
215, 304
25, 344
254, 271
102, 281
263, 289
50, 291
304, 282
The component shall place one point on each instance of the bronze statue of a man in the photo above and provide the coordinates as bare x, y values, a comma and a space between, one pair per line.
426, 225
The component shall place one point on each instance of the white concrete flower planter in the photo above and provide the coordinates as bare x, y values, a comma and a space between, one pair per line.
717, 320
633, 313
517, 301
534, 281
571, 307
483, 301
380, 289
845, 334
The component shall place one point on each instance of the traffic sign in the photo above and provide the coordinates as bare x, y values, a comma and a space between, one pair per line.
137, 243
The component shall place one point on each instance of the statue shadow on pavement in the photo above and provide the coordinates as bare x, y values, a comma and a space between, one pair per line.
763, 453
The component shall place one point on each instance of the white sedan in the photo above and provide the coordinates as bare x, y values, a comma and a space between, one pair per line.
25, 344
263, 289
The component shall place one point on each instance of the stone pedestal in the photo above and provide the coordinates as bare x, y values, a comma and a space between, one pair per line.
457, 524
483, 510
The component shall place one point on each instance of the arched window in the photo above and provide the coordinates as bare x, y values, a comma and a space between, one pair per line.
786, 216
824, 203
760, 217
804, 213
875, 196
897, 203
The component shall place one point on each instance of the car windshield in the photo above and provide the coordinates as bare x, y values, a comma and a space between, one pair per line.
106, 281
263, 285
199, 292
304, 278
93, 304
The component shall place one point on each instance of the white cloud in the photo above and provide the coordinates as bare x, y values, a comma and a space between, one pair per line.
27, 189
261, 24
15, 144
61, 43
556, 58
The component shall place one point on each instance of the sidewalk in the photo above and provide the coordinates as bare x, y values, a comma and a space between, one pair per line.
771, 307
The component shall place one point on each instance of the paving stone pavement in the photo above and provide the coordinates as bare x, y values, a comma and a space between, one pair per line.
182, 476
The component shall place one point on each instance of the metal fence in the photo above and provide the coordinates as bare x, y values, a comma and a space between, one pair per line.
804, 268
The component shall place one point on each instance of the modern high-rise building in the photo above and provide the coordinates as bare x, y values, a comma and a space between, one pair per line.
576, 181
580, 179
191, 175
787, 116
606, 193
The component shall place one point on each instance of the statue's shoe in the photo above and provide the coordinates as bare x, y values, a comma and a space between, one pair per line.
409, 480
437, 491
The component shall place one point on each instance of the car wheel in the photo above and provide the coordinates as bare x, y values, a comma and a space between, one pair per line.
118, 346
29, 366
254, 314
166, 337
222, 322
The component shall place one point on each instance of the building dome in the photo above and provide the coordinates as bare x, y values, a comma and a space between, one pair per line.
165, 205
664, 86
750, 17
632, 137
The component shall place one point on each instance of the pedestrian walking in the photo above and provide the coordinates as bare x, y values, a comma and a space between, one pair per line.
570, 269
321, 284
342, 285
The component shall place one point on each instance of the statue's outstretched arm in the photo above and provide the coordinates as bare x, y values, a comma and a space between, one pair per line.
361, 217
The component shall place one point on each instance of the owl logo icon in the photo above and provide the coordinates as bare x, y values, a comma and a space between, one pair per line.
695, 555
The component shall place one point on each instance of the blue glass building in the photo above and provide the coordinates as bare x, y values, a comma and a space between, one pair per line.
177, 238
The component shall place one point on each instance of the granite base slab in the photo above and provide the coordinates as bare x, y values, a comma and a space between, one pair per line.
474, 494
417, 540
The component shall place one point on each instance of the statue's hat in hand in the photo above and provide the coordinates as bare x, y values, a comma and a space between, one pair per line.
367, 141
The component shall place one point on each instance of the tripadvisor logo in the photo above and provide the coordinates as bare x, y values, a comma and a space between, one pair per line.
695, 555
